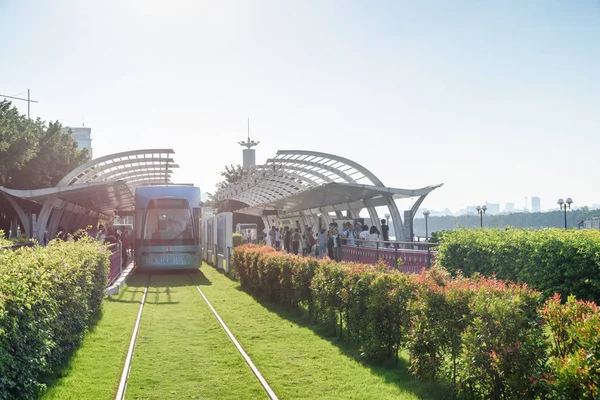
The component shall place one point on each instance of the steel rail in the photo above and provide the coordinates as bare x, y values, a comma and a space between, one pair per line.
239, 347
127, 366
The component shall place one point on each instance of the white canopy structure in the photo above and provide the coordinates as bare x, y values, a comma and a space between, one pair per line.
95, 189
300, 185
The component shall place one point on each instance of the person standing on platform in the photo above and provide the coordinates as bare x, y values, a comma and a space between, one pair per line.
277, 239
332, 232
337, 245
373, 236
296, 241
322, 239
364, 236
385, 232
348, 234
287, 239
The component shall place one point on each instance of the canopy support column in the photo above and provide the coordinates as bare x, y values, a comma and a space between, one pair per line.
25, 221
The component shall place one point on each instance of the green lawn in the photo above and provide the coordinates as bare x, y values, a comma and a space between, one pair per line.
298, 361
182, 352
94, 370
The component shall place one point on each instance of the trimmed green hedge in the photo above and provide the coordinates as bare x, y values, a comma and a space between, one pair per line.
47, 297
483, 335
549, 260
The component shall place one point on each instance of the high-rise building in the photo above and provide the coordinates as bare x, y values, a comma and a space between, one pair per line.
509, 207
492, 208
535, 204
83, 137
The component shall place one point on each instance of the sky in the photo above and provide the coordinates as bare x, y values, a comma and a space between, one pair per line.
498, 101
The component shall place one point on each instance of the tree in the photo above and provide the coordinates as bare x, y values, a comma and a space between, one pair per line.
232, 174
34, 154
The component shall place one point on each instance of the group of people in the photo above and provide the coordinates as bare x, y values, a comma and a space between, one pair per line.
288, 240
111, 235
327, 241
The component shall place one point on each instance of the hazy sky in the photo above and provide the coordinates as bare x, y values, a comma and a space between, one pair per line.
497, 100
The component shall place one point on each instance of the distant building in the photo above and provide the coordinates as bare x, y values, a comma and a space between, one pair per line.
535, 204
492, 208
509, 207
83, 137
592, 223
471, 210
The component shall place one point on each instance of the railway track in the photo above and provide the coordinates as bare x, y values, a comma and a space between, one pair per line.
122, 388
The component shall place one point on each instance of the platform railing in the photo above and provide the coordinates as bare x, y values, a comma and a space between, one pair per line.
116, 262
415, 256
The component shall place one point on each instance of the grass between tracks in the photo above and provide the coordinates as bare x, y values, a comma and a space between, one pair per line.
182, 352
298, 359
94, 370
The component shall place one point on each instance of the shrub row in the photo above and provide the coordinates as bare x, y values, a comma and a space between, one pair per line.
48, 295
482, 334
550, 260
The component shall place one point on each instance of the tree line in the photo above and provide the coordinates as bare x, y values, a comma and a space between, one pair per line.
537, 220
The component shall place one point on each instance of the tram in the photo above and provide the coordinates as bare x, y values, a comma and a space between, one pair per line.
166, 224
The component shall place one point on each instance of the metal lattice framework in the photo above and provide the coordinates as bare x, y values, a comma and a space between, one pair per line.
137, 167
291, 180
94, 190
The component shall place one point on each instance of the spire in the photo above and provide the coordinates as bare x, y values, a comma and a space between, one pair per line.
250, 143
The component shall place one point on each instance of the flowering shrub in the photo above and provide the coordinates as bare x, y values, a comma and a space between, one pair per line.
47, 297
481, 333
504, 350
575, 356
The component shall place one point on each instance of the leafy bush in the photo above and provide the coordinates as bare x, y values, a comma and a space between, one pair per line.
47, 297
13, 240
504, 351
237, 239
549, 260
481, 333
575, 356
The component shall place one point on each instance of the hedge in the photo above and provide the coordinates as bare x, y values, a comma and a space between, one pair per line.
550, 260
48, 296
484, 335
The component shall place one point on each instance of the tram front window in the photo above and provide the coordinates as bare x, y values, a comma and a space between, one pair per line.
168, 223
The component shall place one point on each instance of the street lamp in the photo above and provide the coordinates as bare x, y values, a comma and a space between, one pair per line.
563, 205
426, 215
481, 211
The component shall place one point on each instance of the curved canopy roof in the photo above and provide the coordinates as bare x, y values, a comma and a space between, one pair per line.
297, 180
107, 183
137, 167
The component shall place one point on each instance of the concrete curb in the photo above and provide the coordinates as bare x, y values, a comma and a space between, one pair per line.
114, 288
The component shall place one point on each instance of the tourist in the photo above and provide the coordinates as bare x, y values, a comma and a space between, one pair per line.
308, 242
337, 245
296, 241
287, 239
373, 236
322, 239
277, 239
332, 232
385, 232
364, 236
348, 234
272, 236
